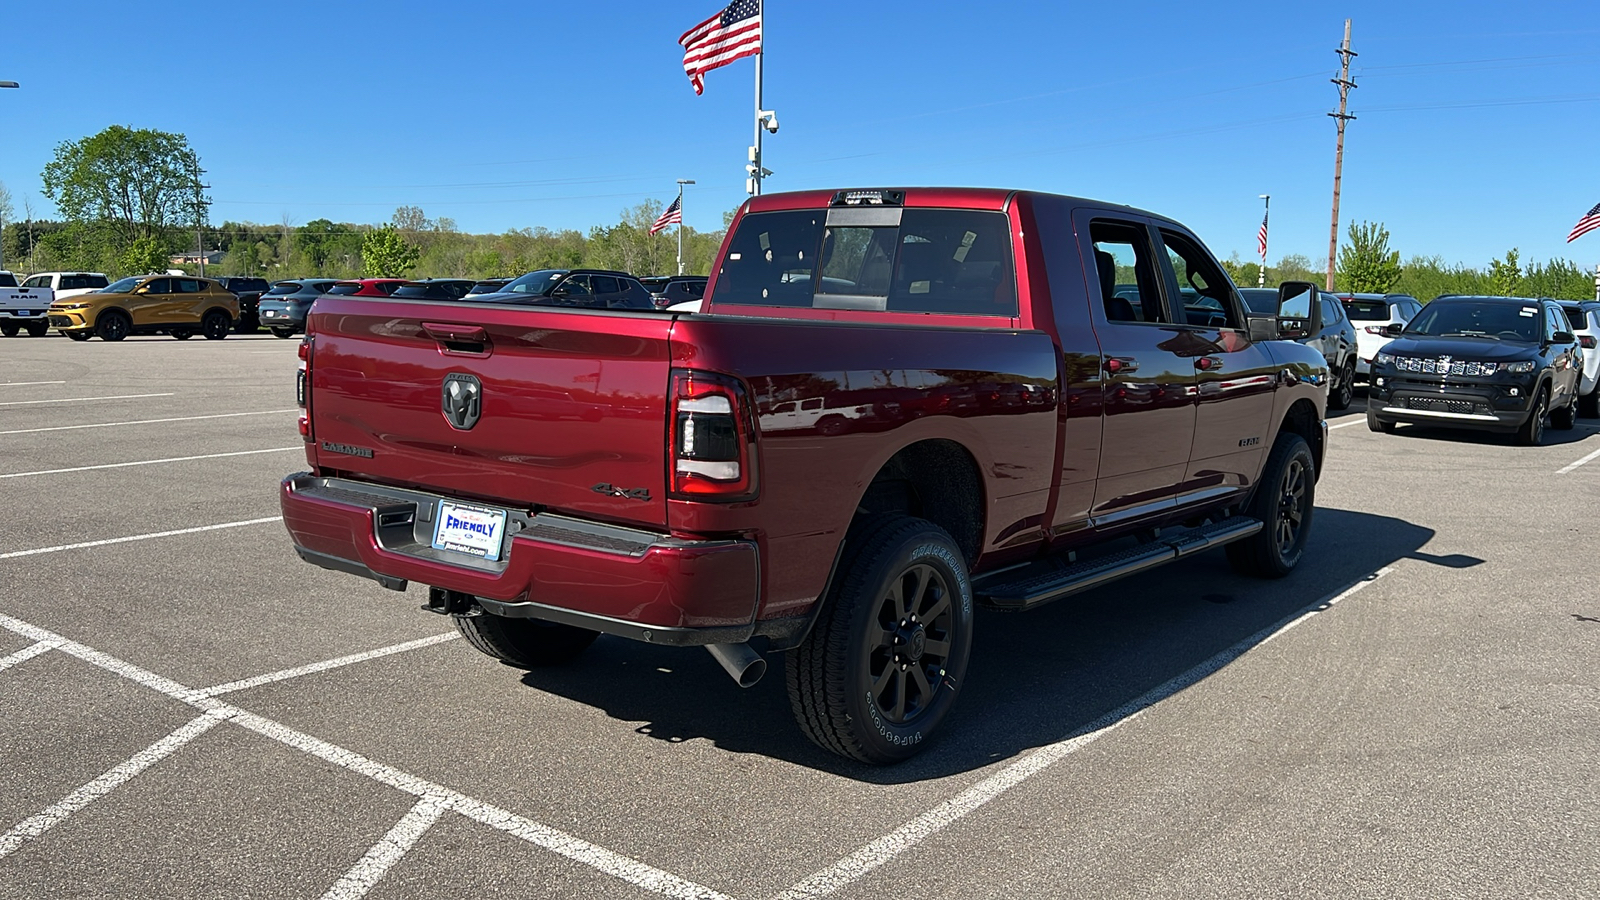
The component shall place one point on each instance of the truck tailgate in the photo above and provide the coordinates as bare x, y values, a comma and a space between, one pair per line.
572, 403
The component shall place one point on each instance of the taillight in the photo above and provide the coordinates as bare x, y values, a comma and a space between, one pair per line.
1586, 341
1377, 329
712, 438
302, 387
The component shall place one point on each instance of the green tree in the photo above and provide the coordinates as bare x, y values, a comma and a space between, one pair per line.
145, 255
140, 181
1505, 276
385, 254
1366, 264
1558, 278
315, 241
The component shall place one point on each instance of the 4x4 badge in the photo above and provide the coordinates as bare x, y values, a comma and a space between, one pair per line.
462, 399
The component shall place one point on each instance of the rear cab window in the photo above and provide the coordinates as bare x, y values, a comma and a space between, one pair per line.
872, 258
1362, 310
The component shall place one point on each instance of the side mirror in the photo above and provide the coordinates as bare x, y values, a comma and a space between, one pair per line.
1563, 337
1395, 329
1299, 310
1261, 328
142, 289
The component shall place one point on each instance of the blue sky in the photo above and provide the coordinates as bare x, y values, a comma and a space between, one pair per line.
1477, 132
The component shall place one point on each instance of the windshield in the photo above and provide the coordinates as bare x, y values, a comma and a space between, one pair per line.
123, 286
534, 282
1497, 320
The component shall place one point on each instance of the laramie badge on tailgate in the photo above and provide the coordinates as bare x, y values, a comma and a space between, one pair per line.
347, 449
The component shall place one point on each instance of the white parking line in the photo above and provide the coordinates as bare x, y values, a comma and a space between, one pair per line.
149, 462
886, 848
325, 665
1345, 424
623, 868
387, 851
25, 654
139, 537
27, 383
84, 399
266, 412
1568, 468
38, 824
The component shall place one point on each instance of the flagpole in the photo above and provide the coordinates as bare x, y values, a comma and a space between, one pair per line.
681, 183
755, 175
1266, 213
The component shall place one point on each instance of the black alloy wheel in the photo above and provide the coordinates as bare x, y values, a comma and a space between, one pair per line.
113, 326
886, 659
38, 329
1284, 501
1531, 434
9, 329
216, 325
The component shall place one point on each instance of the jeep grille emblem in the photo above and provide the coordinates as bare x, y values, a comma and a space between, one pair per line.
462, 399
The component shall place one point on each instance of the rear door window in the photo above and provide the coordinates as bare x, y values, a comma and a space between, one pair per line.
946, 261
1130, 288
604, 284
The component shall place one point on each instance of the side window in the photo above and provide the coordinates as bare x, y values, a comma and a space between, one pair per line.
1553, 321
1331, 314
185, 286
575, 286
603, 284
1205, 291
37, 281
1125, 268
158, 286
97, 281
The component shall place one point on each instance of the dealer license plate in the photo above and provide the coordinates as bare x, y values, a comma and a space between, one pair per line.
473, 530
24, 313
269, 313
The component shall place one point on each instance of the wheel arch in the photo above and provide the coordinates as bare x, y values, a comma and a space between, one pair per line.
1301, 418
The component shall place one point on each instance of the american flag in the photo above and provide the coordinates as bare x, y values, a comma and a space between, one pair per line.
731, 34
1589, 222
673, 216
1261, 240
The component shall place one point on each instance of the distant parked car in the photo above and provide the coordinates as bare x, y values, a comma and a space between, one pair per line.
23, 307
284, 306
1504, 364
434, 289
249, 290
1584, 316
1372, 314
67, 284
488, 286
365, 287
575, 287
179, 305
1337, 340
666, 290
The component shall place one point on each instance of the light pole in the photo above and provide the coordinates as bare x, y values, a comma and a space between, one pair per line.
681, 183
4, 84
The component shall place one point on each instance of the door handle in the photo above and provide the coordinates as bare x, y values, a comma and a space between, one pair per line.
1115, 365
1208, 364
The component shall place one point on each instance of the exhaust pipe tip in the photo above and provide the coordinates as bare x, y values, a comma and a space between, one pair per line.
740, 661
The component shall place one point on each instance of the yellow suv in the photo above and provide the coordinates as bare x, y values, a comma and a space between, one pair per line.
179, 305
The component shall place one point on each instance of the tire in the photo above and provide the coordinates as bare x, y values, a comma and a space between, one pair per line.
526, 643
1345, 390
10, 329
838, 701
216, 324
1284, 501
1566, 417
182, 334
283, 332
247, 324
113, 326
1375, 424
1589, 404
38, 329
77, 335
1531, 432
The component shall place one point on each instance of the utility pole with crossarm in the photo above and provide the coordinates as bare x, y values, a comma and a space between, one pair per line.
1342, 116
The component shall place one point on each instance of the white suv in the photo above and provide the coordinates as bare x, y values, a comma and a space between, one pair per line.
1584, 316
67, 284
1372, 314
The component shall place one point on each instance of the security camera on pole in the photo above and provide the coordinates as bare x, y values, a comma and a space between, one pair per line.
732, 34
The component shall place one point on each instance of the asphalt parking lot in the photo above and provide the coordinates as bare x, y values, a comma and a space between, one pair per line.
190, 711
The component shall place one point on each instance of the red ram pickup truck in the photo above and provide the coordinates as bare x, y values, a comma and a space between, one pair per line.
893, 406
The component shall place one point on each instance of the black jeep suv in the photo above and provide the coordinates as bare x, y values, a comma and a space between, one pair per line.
1490, 363
249, 291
